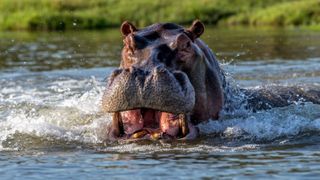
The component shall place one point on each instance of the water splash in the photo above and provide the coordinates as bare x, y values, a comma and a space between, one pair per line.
37, 109
51, 107
268, 125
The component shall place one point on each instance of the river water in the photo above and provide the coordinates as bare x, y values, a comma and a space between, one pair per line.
51, 124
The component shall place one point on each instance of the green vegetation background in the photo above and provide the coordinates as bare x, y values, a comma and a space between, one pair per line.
99, 14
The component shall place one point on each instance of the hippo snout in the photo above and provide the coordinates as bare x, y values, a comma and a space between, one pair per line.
157, 88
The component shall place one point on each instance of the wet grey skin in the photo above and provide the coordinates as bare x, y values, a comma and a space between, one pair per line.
155, 88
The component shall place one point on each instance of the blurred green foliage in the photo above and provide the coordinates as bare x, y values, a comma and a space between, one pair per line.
99, 14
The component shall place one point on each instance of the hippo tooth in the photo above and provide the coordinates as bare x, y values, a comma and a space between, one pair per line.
139, 134
183, 124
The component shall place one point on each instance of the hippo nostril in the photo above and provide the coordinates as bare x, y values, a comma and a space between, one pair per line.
160, 69
181, 78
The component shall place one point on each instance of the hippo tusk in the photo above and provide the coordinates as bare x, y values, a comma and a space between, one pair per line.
183, 124
139, 134
155, 135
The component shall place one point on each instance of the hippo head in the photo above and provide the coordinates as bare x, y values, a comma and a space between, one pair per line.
160, 81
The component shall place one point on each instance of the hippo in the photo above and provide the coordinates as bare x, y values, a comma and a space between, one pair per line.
168, 81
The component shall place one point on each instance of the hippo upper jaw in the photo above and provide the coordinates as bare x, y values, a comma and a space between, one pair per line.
157, 89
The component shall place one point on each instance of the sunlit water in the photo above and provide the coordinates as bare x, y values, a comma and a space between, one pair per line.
51, 124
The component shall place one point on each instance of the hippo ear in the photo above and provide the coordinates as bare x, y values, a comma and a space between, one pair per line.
127, 28
196, 29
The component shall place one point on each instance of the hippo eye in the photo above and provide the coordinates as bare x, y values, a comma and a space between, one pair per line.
139, 42
153, 36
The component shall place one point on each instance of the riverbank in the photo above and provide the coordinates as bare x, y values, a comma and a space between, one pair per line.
101, 14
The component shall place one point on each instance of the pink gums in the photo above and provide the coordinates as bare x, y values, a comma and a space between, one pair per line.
152, 120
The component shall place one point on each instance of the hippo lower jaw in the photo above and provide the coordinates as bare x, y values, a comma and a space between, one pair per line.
153, 124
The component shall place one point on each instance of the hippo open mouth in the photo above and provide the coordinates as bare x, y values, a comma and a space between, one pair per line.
153, 124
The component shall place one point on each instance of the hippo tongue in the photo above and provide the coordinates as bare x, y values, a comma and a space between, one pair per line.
148, 121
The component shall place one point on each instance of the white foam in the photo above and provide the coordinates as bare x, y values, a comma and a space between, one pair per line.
268, 125
88, 102
182, 147
67, 109
57, 125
